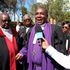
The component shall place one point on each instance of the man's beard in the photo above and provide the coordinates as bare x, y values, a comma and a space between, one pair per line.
5, 26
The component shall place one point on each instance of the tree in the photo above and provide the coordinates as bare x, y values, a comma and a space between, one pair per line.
55, 10
66, 16
66, 6
24, 10
11, 3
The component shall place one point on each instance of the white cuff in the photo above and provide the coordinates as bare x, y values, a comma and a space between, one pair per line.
50, 50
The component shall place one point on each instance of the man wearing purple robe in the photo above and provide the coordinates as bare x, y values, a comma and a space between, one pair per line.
37, 59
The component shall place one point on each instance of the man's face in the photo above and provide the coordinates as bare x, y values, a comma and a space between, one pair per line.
26, 20
40, 16
5, 21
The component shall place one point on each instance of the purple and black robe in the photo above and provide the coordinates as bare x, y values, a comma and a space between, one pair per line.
37, 59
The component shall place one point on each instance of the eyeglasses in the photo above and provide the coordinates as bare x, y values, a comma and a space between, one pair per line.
25, 20
6, 20
65, 27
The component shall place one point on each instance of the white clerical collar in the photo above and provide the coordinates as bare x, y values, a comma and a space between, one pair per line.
27, 28
42, 26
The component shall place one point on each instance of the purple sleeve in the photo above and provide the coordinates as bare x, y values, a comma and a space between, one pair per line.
23, 51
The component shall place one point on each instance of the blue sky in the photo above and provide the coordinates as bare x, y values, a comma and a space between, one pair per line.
26, 5
18, 11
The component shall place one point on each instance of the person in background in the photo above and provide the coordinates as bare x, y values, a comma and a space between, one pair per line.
60, 41
24, 31
65, 29
18, 26
23, 35
27, 21
60, 58
8, 45
65, 26
35, 56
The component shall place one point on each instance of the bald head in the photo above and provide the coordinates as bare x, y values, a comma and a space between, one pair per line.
27, 20
4, 19
4, 16
26, 16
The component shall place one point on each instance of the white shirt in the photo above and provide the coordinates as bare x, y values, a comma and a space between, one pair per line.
27, 28
17, 27
8, 33
60, 58
42, 26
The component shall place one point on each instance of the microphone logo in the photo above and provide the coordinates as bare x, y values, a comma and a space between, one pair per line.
38, 34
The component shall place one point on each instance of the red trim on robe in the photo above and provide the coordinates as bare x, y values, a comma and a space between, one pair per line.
1, 33
15, 33
12, 47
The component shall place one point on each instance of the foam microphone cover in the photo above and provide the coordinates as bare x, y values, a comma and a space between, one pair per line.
38, 28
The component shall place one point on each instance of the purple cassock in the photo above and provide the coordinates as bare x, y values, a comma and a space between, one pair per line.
37, 59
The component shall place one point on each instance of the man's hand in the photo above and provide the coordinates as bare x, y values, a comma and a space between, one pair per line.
19, 56
45, 44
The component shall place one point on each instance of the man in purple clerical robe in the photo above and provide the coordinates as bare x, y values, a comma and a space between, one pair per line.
37, 59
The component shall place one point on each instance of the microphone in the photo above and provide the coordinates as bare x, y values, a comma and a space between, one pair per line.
38, 34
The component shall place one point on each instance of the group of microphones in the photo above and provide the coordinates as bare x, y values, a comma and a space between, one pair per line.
38, 34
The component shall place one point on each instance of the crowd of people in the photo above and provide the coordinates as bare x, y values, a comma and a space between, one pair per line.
38, 46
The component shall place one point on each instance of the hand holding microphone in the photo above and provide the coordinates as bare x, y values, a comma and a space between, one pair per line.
45, 44
40, 37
